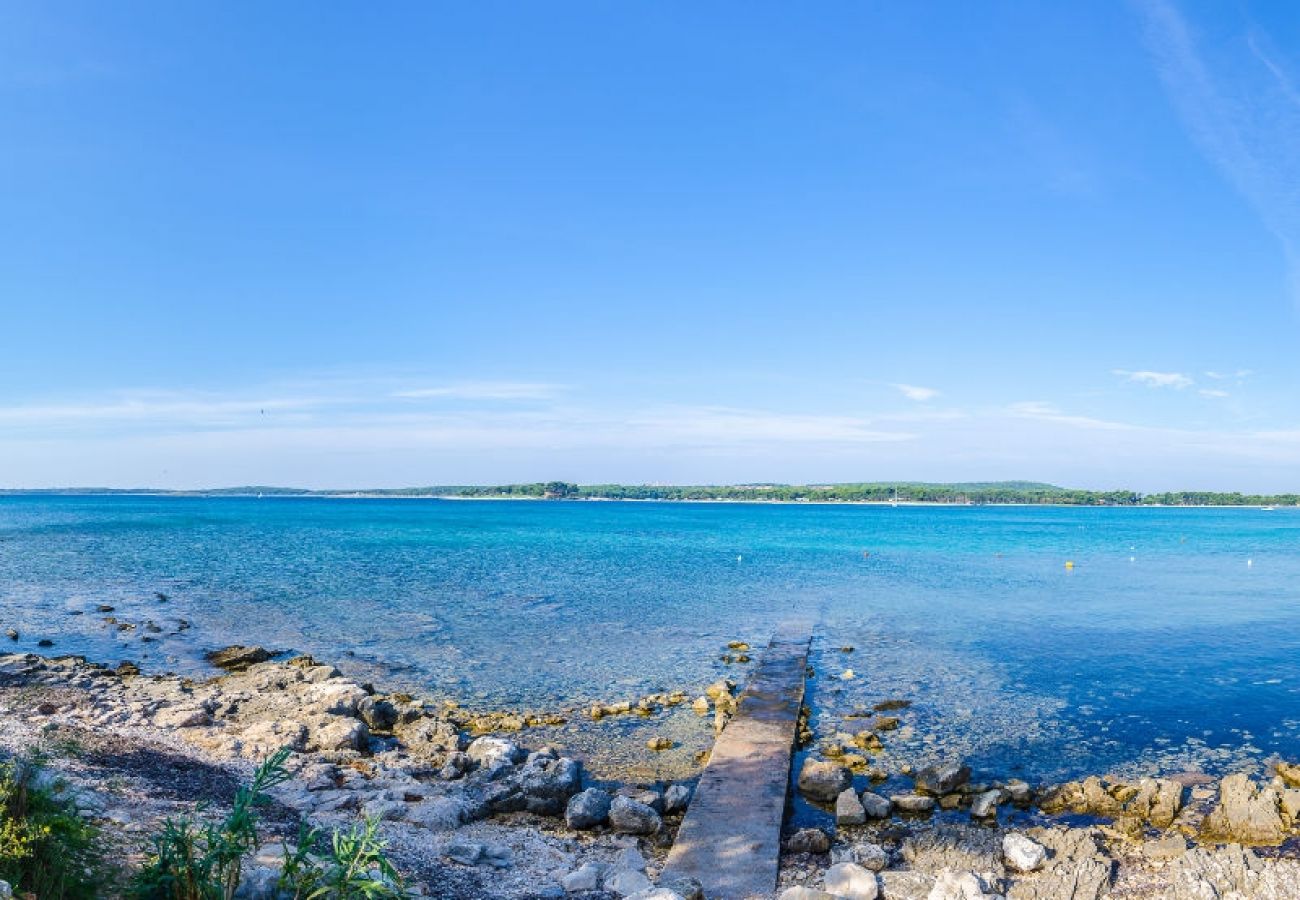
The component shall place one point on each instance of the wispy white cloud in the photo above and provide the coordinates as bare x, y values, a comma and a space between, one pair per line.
915, 392
1243, 112
1215, 393
484, 390
1047, 412
1176, 380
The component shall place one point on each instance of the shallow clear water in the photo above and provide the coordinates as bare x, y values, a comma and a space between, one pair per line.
1172, 642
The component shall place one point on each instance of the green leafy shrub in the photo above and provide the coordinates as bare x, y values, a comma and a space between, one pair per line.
352, 866
46, 847
202, 861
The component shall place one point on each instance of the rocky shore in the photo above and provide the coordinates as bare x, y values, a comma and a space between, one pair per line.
474, 809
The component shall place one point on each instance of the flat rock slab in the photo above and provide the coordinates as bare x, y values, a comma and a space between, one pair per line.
730, 840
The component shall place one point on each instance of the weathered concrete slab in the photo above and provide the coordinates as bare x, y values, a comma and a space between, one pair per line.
730, 839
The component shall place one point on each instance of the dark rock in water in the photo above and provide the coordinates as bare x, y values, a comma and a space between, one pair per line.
587, 809
238, 658
808, 840
104, 607
11, 633
126, 667
942, 779
162, 598
45, 642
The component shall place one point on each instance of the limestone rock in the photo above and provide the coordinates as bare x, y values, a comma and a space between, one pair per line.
849, 809
913, 803
1022, 854
876, 806
1246, 813
851, 881
585, 878
985, 805
237, 658
822, 780
628, 816
677, 798
587, 809
626, 882
492, 751
942, 779
808, 840
866, 854
959, 886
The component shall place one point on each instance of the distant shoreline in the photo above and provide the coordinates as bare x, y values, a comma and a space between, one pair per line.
367, 495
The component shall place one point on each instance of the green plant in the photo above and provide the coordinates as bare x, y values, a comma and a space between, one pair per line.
46, 847
202, 861
353, 866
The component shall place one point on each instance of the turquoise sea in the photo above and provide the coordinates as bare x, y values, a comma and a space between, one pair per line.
1173, 642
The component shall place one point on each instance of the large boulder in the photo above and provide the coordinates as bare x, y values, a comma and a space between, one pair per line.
822, 780
587, 809
942, 779
547, 784
1245, 814
628, 816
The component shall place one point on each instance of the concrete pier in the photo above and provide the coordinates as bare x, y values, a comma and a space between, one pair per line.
730, 840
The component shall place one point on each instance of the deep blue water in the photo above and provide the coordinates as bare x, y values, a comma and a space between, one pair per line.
1173, 641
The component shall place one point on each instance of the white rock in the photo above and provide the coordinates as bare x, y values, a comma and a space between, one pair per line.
959, 886
1023, 854
625, 882
338, 698
851, 881
848, 809
489, 751
629, 858
656, 894
985, 805
585, 878
805, 893
871, 856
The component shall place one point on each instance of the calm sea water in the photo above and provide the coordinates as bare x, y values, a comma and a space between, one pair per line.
1173, 641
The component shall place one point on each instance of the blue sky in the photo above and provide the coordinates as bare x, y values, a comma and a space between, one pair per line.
341, 245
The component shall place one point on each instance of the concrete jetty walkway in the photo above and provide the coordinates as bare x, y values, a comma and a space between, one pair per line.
730, 839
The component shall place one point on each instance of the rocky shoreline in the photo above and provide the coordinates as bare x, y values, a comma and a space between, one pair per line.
470, 812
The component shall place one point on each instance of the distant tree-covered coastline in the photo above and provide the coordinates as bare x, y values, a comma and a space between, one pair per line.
975, 493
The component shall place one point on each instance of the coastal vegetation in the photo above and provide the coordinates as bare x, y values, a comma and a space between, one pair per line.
47, 848
973, 493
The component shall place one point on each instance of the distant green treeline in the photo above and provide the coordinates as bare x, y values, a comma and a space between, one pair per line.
880, 492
